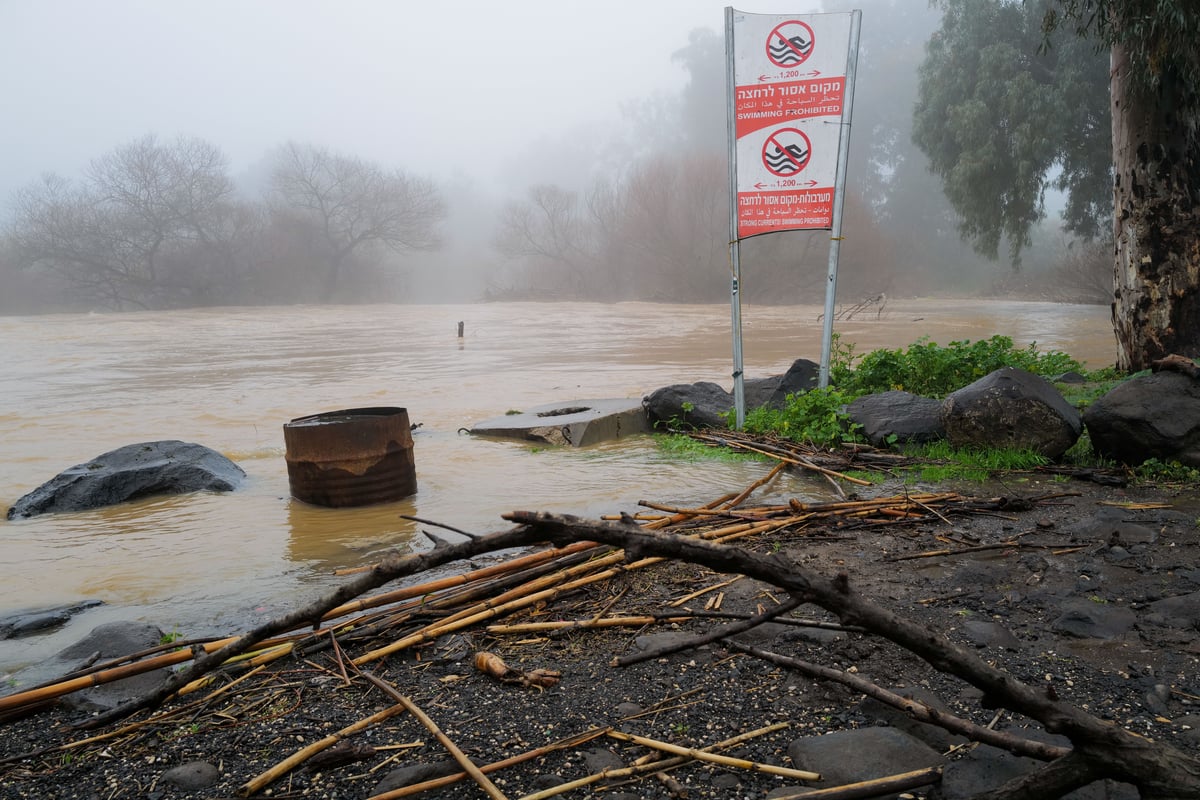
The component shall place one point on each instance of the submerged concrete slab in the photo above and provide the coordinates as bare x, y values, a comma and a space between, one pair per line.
577, 423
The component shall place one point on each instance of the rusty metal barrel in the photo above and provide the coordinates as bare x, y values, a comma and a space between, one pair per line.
352, 457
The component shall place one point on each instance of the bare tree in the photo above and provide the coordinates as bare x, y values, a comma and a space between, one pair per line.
550, 232
677, 226
150, 225
355, 206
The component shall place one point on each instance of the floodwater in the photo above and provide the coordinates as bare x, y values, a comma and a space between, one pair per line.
78, 385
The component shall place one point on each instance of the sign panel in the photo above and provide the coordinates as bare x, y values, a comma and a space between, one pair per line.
788, 102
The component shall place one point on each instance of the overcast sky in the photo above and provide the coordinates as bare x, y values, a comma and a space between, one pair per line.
442, 89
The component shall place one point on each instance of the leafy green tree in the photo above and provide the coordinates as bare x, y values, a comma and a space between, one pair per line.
996, 111
1155, 95
1011, 90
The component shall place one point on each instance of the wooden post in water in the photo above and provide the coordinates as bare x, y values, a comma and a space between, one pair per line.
460, 330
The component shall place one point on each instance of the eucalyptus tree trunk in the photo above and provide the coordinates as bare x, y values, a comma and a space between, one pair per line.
1156, 155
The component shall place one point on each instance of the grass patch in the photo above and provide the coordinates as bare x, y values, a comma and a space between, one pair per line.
1099, 383
941, 462
685, 448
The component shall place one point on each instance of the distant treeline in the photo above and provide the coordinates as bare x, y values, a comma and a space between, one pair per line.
161, 225
156, 224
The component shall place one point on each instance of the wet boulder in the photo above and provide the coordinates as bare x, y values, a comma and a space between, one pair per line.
773, 391
28, 621
129, 473
908, 417
863, 754
112, 640
1011, 408
700, 405
1150, 416
705, 404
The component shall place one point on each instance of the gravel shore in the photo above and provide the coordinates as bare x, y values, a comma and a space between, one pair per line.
1093, 596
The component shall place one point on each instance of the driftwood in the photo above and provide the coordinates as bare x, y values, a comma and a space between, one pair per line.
1100, 749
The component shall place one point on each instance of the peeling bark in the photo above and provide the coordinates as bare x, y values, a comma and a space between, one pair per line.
1156, 226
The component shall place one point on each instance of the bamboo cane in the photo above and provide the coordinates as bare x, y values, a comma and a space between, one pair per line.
801, 462
581, 624
704, 512
130, 728
456, 595
645, 766
486, 610
877, 787
877, 501
468, 766
431, 587
704, 591
302, 755
55, 690
21, 699
675, 519
726, 761
749, 490
495, 766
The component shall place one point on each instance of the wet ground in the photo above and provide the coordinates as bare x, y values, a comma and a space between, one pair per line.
1093, 595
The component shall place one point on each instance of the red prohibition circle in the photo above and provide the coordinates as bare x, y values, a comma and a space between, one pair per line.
786, 152
790, 43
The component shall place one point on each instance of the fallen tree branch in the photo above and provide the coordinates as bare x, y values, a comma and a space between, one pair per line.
1159, 771
914, 708
732, 629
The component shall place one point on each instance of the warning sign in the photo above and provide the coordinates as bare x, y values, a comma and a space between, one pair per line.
773, 103
788, 106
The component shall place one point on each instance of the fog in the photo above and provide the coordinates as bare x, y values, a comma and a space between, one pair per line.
451, 89
485, 100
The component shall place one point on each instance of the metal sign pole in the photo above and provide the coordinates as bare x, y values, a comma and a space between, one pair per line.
839, 196
735, 299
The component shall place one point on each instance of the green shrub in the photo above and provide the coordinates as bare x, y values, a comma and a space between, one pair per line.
1166, 472
685, 448
930, 370
941, 461
817, 416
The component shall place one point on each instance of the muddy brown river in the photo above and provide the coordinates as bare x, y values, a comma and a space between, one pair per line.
78, 385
